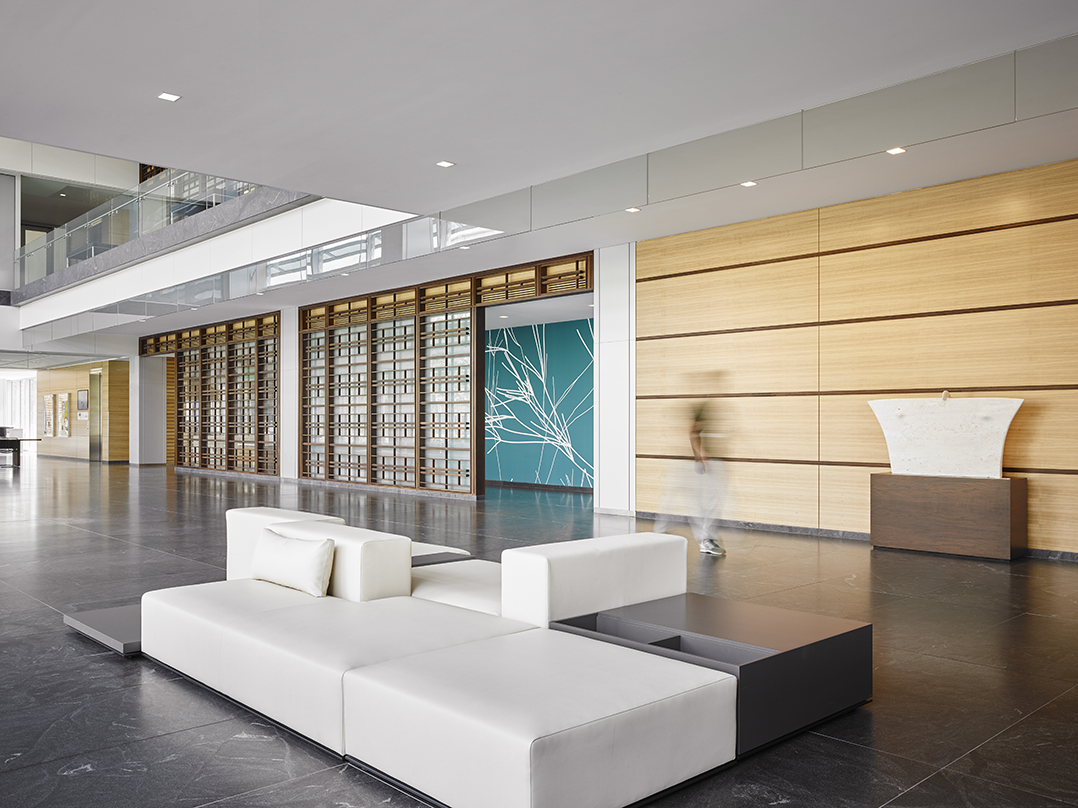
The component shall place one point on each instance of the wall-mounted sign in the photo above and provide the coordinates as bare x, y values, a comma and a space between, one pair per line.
82, 401
49, 419
63, 415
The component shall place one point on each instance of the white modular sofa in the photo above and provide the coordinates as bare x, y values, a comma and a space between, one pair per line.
469, 707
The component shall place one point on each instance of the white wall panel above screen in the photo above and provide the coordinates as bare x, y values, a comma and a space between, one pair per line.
965, 99
602, 190
1046, 78
729, 158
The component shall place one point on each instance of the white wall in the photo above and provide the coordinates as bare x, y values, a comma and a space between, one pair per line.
615, 379
20, 157
148, 405
294, 230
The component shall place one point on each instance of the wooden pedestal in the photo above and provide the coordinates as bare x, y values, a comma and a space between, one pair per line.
985, 518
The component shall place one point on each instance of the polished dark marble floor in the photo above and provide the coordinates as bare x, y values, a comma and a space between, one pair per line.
976, 683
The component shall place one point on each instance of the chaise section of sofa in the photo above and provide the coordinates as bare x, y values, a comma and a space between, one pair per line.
539, 719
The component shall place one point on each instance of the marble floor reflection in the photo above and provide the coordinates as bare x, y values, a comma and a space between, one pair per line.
976, 682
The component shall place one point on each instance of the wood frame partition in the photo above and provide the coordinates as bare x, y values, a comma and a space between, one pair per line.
224, 394
391, 384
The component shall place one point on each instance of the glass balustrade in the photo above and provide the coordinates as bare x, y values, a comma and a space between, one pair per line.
160, 201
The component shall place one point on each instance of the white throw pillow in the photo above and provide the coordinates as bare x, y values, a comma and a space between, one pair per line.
296, 563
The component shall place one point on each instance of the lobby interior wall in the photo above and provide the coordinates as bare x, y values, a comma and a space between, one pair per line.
787, 326
115, 411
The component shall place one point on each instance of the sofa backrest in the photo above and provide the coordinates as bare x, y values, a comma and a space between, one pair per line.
243, 526
555, 581
367, 564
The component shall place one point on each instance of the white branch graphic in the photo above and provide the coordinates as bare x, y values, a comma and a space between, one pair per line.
524, 406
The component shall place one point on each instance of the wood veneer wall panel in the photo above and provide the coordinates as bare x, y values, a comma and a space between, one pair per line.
1044, 432
845, 498
763, 240
784, 360
748, 297
849, 431
1042, 435
1001, 268
1053, 502
752, 491
760, 427
115, 412
170, 410
1000, 199
1022, 348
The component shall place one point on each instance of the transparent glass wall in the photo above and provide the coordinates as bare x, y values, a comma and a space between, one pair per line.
165, 199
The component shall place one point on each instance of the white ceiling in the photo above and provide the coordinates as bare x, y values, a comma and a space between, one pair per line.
359, 100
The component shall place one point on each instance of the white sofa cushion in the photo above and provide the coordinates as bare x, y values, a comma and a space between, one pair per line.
288, 663
555, 581
367, 564
303, 564
539, 719
243, 526
182, 626
472, 584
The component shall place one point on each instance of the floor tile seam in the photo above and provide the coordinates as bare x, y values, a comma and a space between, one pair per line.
918, 784
1010, 784
1021, 720
343, 767
1071, 684
132, 543
819, 731
113, 746
1051, 616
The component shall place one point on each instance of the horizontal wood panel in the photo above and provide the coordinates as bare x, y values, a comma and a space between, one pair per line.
1053, 503
1030, 347
845, 498
747, 242
1018, 196
1002, 268
749, 297
766, 427
769, 493
1042, 435
762, 361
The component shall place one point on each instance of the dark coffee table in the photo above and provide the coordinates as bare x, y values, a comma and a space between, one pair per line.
794, 669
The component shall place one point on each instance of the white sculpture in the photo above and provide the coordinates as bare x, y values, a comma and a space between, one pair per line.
946, 437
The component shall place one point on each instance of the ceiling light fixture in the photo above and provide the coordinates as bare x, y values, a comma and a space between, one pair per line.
503, 316
632, 210
748, 184
345, 274
896, 150
445, 164
169, 97
465, 247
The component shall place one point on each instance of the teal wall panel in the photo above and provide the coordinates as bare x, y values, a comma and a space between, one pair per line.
539, 410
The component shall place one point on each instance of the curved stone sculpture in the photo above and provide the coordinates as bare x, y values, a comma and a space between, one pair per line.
946, 437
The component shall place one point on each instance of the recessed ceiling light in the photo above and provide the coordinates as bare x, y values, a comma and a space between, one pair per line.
465, 247
503, 316
345, 274
260, 293
445, 164
748, 184
632, 210
63, 194
169, 97
896, 150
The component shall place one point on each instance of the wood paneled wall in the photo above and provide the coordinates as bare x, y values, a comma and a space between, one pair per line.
115, 411
787, 326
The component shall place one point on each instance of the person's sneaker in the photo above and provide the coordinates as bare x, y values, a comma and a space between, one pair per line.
708, 546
